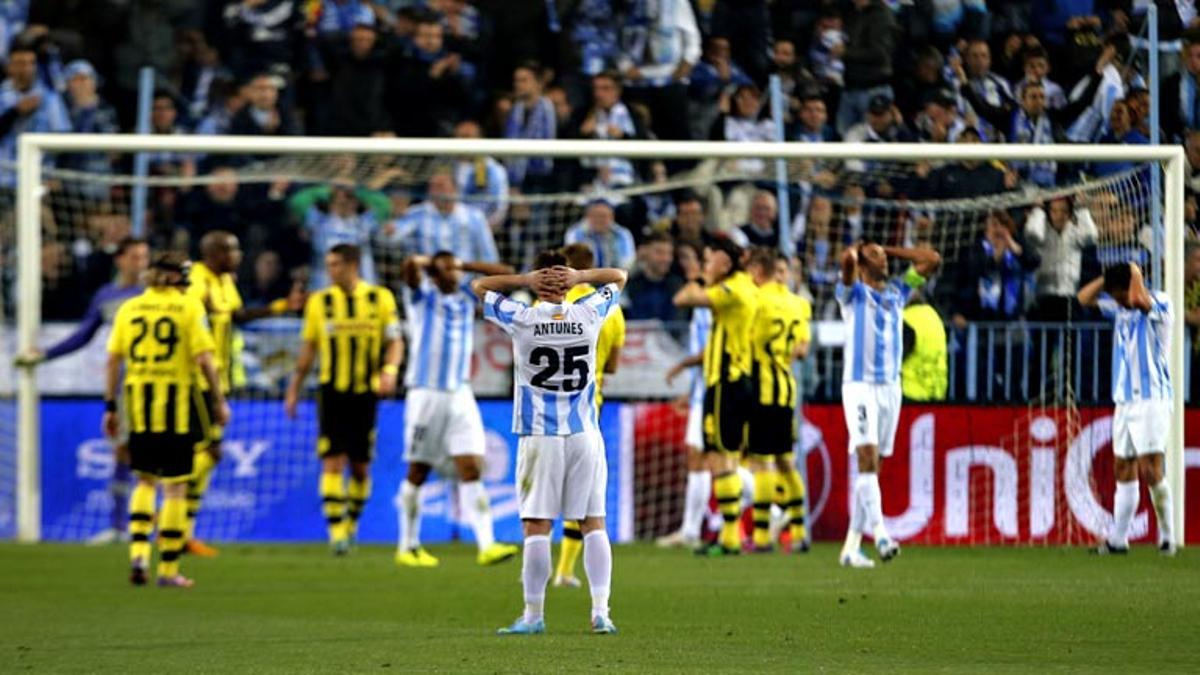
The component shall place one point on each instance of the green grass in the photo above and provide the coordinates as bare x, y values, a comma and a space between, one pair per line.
295, 609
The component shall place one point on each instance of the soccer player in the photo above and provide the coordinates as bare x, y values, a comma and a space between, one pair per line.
441, 418
131, 260
161, 339
871, 305
1142, 392
733, 298
354, 327
779, 336
698, 488
212, 283
608, 354
561, 468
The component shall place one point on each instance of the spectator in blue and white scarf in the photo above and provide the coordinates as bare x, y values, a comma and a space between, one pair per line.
993, 275
482, 181
608, 119
532, 117
1031, 124
660, 44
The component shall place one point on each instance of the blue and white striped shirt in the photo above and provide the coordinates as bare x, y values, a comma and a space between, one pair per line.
1141, 346
327, 230
536, 123
874, 331
50, 116
483, 183
614, 248
464, 232
440, 336
554, 359
698, 331
620, 171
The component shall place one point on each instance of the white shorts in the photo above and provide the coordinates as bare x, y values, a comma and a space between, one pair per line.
693, 438
1141, 428
872, 414
561, 475
441, 424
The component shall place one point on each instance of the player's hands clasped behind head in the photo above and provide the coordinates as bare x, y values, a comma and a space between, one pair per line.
552, 281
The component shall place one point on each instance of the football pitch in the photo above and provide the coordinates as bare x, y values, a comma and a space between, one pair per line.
292, 609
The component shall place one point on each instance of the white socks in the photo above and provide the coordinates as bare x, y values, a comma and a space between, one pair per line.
410, 516
695, 503
866, 493
1160, 496
535, 572
597, 563
473, 503
854, 531
1125, 503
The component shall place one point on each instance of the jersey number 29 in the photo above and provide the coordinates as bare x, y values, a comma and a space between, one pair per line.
572, 362
165, 334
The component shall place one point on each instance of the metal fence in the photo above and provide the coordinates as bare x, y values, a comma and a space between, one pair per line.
1006, 363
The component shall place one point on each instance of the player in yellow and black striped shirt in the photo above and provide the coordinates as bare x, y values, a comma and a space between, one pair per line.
779, 336
211, 281
163, 342
354, 327
733, 298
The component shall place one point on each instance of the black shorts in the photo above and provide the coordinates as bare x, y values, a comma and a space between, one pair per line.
346, 423
165, 455
727, 408
772, 430
209, 432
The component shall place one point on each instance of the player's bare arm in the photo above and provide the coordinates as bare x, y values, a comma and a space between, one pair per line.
1089, 295
304, 362
849, 266
391, 368
691, 295
485, 268
1139, 295
109, 426
414, 268
221, 412
924, 260
600, 276
690, 362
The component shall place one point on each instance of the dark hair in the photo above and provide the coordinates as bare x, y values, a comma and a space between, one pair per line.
764, 256
165, 263
348, 253
441, 255
1004, 218
1038, 52
549, 258
427, 16
609, 74
21, 46
657, 238
579, 256
530, 65
128, 243
1117, 278
725, 245
689, 196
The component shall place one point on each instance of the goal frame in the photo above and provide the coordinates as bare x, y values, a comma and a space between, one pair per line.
32, 148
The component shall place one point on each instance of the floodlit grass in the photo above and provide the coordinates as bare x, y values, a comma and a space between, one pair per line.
296, 609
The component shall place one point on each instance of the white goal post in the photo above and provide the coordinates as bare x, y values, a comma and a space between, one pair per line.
32, 149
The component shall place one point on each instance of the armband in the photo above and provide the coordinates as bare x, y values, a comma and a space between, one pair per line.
391, 369
279, 306
913, 278
110, 406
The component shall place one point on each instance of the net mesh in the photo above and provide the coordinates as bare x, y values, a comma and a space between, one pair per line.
287, 210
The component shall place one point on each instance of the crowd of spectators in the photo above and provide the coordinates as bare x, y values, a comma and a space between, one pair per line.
959, 71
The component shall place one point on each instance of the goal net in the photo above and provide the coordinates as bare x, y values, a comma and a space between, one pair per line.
1013, 448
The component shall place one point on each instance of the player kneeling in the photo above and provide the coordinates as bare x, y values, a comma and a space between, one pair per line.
561, 469
1142, 391
441, 419
161, 339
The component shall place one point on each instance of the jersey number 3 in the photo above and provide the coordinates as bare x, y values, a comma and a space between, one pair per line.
165, 334
572, 362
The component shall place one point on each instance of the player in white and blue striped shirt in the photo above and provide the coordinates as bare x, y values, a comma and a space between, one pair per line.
699, 482
561, 468
441, 418
1143, 394
871, 306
